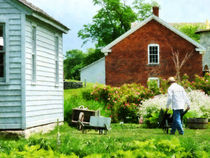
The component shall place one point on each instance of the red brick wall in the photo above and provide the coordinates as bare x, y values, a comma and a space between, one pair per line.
128, 61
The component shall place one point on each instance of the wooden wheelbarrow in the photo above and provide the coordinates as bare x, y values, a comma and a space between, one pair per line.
100, 123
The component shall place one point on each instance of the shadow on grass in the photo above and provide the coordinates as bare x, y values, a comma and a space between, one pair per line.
10, 136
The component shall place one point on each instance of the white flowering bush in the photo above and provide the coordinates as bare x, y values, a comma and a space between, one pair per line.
200, 104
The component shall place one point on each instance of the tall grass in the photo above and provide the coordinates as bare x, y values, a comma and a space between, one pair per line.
73, 98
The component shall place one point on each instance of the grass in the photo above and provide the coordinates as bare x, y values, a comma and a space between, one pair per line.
121, 137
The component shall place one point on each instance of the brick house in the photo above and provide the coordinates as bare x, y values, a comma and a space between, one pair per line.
145, 53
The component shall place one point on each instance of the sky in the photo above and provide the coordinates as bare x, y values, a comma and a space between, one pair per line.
76, 13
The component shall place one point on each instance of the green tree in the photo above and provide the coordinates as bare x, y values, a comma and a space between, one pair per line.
92, 55
190, 29
111, 21
144, 9
73, 63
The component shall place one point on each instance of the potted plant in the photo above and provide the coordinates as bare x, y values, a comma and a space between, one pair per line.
198, 122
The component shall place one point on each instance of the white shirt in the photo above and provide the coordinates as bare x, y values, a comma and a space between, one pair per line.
177, 96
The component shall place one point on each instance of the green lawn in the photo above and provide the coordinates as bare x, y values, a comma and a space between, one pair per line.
121, 137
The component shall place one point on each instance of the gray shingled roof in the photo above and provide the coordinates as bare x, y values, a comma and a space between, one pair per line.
40, 11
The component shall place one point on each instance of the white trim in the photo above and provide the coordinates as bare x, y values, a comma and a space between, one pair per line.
23, 67
45, 20
34, 54
57, 43
148, 53
201, 51
107, 48
155, 78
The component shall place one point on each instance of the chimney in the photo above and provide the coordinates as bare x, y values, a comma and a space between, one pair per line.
155, 10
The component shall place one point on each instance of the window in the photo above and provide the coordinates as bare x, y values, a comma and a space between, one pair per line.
153, 54
56, 60
153, 82
2, 52
33, 58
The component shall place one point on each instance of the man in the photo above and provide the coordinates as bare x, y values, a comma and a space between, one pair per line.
178, 98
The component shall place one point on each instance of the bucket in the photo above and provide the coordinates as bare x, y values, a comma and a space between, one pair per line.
197, 123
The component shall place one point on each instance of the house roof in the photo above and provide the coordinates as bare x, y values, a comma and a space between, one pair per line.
201, 31
42, 13
107, 48
186, 23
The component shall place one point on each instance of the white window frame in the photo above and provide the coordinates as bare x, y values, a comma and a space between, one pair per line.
158, 56
155, 78
57, 60
34, 53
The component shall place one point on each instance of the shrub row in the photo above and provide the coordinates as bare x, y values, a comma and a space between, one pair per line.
123, 103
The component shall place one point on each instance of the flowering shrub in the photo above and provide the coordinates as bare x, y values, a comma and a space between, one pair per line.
199, 106
123, 102
201, 83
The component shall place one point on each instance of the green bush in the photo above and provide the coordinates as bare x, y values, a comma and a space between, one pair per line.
200, 83
153, 86
123, 102
151, 117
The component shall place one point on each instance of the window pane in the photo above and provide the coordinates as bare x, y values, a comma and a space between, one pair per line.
57, 60
57, 46
34, 39
1, 37
1, 65
33, 68
153, 54
57, 71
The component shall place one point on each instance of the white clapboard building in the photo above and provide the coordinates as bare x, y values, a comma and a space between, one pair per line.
31, 66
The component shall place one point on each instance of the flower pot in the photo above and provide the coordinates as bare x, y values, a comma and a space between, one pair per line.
197, 123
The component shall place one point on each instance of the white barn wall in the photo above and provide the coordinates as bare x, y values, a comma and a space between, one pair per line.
11, 91
44, 100
94, 72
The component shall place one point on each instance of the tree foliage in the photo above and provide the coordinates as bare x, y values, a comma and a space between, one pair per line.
190, 29
73, 63
92, 56
112, 20
76, 60
144, 9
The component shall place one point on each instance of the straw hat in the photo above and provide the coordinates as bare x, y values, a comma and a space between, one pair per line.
171, 79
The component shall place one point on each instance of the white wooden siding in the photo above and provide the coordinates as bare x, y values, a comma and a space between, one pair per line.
44, 100
94, 73
10, 92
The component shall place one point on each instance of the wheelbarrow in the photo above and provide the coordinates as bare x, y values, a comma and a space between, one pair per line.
82, 114
166, 120
100, 123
